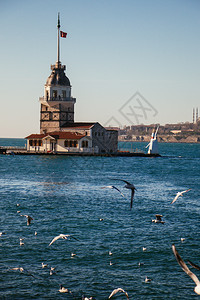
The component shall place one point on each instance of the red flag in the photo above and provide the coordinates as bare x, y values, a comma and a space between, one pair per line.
63, 34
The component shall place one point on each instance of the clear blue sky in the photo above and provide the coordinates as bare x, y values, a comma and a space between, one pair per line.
113, 50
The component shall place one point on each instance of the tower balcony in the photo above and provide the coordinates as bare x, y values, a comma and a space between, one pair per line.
45, 100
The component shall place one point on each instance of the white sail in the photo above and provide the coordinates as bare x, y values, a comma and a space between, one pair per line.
153, 145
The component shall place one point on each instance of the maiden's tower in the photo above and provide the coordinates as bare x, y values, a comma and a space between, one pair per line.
59, 133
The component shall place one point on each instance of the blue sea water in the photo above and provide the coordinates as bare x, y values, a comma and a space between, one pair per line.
64, 195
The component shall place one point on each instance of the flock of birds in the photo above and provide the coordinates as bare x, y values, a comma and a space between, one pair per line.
176, 254
158, 219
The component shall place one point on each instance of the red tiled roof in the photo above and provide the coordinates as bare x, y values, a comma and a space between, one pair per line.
35, 136
58, 135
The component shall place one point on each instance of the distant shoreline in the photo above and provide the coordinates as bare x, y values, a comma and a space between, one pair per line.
164, 139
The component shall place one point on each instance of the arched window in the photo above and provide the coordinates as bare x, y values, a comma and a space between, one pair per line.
83, 144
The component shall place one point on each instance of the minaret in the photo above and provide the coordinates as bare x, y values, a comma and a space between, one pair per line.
57, 105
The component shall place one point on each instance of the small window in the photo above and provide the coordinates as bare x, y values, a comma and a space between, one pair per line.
75, 143
63, 94
66, 143
54, 94
31, 142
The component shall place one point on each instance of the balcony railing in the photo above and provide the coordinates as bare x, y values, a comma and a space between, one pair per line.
44, 99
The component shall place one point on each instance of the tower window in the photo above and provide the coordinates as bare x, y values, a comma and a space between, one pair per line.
55, 94
47, 95
63, 94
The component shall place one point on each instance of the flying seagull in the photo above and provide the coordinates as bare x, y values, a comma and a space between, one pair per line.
118, 290
62, 236
29, 219
130, 187
112, 187
187, 270
179, 194
158, 219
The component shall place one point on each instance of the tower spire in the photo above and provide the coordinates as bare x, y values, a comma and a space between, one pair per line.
58, 49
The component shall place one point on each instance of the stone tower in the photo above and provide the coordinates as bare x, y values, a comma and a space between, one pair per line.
57, 105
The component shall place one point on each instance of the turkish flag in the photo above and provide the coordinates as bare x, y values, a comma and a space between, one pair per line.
63, 34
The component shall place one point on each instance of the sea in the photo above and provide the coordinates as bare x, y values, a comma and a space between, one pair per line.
73, 196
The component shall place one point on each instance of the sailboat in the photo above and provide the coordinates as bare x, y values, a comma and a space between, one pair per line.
153, 144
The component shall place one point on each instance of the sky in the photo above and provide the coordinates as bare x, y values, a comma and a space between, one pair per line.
129, 62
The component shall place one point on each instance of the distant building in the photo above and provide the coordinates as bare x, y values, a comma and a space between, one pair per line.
58, 131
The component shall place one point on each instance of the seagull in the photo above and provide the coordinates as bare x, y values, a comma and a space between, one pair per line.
140, 264
73, 255
16, 269
62, 236
118, 290
112, 187
186, 270
35, 232
110, 253
147, 279
52, 271
158, 219
63, 289
20, 242
1, 233
29, 219
193, 265
182, 240
44, 265
144, 248
179, 194
131, 187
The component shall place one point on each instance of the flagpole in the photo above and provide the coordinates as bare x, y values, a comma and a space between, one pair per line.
58, 49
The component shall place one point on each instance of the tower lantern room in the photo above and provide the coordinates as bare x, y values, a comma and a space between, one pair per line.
57, 104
